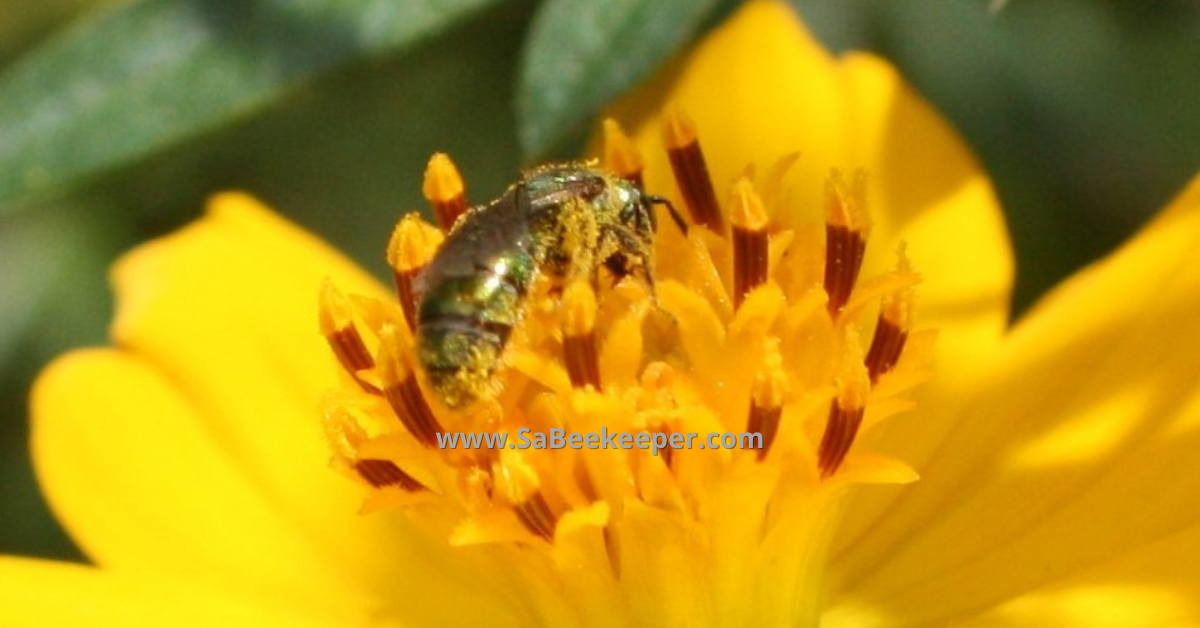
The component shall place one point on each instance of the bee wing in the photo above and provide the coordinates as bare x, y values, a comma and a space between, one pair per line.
487, 235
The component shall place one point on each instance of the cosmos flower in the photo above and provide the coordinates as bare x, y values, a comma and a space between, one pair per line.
1055, 458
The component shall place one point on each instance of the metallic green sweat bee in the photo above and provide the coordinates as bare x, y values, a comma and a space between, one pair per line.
562, 220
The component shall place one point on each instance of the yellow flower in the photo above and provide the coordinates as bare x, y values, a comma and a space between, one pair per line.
1056, 457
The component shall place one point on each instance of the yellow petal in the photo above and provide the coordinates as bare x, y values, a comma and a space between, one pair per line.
1083, 446
223, 312
226, 308
37, 594
1152, 586
137, 477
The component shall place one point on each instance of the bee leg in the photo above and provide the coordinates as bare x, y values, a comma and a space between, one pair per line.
620, 266
629, 257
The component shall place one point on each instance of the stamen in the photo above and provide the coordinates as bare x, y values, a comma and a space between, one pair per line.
402, 392
337, 325
444, 189
380, 473
750, 245
620, 155
845, 411
667, 452
840, 429
535, 513
414, 243
579, 335
690, 168
891, 330
845, 237
518, 483
766, 400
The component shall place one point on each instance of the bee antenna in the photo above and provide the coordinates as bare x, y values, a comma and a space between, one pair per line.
662, 200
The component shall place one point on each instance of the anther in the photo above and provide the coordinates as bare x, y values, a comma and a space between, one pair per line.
845, 237
667, 451
335, 315
845, 411
620, 155
535, 513
380, 473
517, 482
444, 189
891, 330
414, 243
766, 398
690, 168
579, 335
750, 245
402, 392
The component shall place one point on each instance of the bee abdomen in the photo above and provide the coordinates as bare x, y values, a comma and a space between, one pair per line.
463, 326
461, 358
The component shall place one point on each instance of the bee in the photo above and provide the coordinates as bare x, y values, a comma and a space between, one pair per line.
562, 221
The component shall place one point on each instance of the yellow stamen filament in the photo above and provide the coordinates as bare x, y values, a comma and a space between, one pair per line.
445, 190
767, 397
620, 155
891, 328
403, 393
750, 245
380, 473
413, 244
337, 325
691, 169
845, 237
579, 335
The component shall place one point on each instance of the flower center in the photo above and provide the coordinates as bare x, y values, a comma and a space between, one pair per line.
654, 423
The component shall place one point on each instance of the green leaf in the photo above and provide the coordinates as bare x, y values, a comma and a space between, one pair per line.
583, 53
153, 73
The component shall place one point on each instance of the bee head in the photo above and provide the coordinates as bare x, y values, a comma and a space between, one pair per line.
635, 212
603, 191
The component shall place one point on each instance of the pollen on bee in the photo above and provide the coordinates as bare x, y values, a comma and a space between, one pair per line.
845, 237
413, 244
337, 325
620, 155
579, 335
444, 189
750, 245
691, 169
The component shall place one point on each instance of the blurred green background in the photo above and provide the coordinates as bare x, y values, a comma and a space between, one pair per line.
1085, 112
